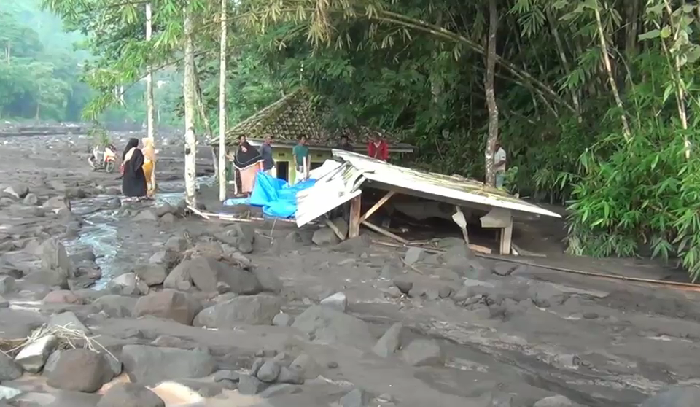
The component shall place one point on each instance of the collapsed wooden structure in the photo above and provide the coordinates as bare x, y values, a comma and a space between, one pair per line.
343, 182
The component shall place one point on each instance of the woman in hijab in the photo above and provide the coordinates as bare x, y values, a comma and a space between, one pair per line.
247, 162
134, 180
149, 154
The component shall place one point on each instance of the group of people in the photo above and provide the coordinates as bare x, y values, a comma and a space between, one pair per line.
138, 161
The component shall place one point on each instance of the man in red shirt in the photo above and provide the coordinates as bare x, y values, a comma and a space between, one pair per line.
377, 148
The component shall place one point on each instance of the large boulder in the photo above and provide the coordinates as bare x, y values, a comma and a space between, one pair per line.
168, 304
130, 395
79, 370
33, 356
328, 325
151, 274
54, 259
205, 273
423, 352
114, 306
252, 309
127, 284
149, 365
679, 396
9, 370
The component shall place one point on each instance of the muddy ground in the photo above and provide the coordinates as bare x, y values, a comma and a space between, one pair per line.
293, 318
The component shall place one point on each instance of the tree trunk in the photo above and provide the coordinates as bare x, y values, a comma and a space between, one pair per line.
611, 77
222, 106
489, 86
189, 102
150, 106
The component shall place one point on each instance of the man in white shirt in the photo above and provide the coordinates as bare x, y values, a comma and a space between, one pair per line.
499, 165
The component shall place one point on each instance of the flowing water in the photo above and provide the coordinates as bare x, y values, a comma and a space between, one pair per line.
99, 230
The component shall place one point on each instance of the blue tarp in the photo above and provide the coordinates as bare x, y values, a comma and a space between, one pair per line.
277, 198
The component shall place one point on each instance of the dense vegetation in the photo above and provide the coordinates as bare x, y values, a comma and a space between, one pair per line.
594, 100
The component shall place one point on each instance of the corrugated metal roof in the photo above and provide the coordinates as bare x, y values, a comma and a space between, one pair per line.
438, 185
337, 186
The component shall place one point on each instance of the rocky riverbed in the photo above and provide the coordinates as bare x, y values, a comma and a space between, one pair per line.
142, 305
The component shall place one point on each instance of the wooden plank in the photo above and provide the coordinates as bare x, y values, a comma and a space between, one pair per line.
385, 232
335, 229
355, 209
377, 205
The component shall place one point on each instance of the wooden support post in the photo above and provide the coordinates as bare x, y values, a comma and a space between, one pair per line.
506, 236
377, 205
355, 209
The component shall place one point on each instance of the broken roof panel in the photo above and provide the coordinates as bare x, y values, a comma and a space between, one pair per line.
437, 187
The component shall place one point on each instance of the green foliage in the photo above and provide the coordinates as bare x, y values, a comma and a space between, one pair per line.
38, 67
416, 68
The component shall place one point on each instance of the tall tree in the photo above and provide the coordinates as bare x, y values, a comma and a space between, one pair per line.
489, 88
150, 103
222, 104
189, 107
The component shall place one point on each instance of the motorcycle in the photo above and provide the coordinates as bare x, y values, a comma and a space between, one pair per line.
106, 162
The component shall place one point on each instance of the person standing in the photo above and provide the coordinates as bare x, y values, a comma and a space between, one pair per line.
377, 148
301, 159
345, 143
134, 185
499, 165
266, 154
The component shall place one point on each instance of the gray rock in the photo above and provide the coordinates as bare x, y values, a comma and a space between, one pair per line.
31, 199
355, 398
33, 356
404, 284
268, 280
4, 303
168, 304
462, 260
168, 258
115, 306
146, 216
176, 244
9, 393
413, 255
337, 301
125, 284
241, 281
204, 273
290, 375
47, 278
230, 375
306, 365
54, 259
151, 274
79, 370
248, 309
269, 371
324, 324
279, 390
7, 285
390, 342
257, 364
325, 237
423, 352
678, 396
150, 365
250, 385
555, 401
130, 395
67, 320
282, 319
9, 370
18, 191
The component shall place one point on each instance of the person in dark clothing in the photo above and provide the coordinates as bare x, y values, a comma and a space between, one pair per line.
345, 144
266, 154
134, 179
